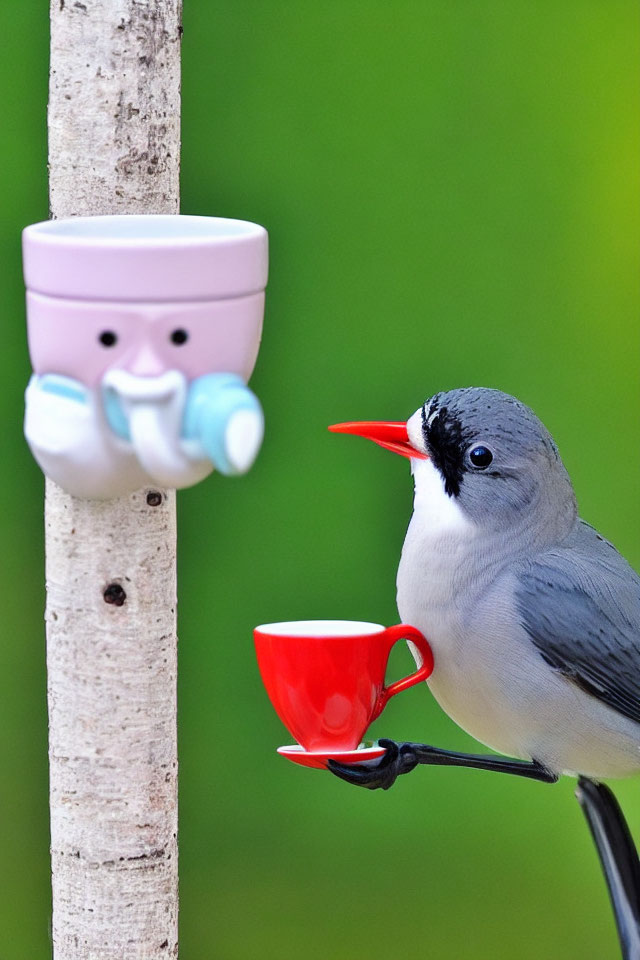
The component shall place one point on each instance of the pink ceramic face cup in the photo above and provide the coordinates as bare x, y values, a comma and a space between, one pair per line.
142, 279
133, 309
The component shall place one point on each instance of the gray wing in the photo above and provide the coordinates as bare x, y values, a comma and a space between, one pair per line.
580, 604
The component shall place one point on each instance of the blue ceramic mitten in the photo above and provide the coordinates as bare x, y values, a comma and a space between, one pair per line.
224, 418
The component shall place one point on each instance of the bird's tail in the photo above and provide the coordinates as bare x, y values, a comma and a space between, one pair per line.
619, 860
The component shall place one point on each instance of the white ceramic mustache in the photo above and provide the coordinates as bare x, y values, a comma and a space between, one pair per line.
154, 408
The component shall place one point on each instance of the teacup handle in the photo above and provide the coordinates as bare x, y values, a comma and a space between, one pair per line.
404, 632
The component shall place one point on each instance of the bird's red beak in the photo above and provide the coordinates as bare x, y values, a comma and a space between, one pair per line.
392, 436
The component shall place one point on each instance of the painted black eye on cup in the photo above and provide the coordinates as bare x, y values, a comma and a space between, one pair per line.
179, 337
480, 457
108, 338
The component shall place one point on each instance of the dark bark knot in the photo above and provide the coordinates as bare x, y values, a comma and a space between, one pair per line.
114, 594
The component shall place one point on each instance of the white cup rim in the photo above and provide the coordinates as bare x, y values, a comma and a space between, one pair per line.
297, 629
142, 229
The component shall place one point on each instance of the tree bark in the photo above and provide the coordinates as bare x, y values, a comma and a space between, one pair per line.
114, 107
114, 113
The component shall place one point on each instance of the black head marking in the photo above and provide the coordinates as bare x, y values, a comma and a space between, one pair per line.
446, 441
523, 472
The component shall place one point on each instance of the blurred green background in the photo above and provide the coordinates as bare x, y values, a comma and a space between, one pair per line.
452, 199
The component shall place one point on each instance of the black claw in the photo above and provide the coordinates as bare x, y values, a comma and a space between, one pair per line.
403, 757
378, 774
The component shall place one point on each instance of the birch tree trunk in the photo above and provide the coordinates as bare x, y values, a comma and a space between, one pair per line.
114, 113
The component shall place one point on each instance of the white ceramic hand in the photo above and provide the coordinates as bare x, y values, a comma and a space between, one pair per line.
67, 433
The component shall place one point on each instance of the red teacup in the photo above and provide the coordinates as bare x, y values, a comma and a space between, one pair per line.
325, 678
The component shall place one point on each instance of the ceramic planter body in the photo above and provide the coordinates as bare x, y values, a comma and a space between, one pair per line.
143, 332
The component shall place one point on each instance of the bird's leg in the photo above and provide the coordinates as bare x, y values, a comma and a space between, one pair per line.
401, 758
619, 860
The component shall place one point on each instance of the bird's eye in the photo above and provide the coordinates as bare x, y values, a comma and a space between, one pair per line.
179, 337
108, 338
480, 457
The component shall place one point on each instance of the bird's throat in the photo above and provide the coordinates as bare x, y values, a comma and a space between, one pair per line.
435, 511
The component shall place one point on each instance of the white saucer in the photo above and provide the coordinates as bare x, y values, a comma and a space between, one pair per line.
318, 758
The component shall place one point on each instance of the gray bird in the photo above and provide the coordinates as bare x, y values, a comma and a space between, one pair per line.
534, 618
